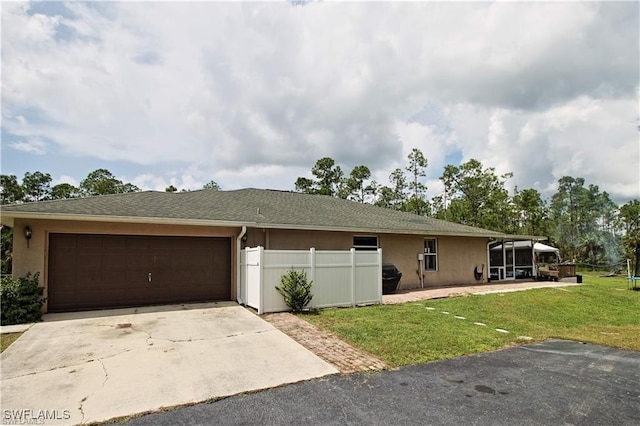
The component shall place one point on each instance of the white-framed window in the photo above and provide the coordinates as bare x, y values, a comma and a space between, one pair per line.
365, 242
430, 254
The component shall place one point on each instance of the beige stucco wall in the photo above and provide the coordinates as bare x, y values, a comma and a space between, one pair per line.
289, 239
457, 256
35, 257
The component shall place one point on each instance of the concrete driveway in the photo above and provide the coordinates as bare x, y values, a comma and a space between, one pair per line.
93, 366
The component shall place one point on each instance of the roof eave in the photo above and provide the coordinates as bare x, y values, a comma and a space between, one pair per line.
376, 230
7, 218
516, 237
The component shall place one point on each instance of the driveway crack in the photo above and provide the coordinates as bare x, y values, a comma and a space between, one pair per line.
81, 408
71, 365
203, 339
83, 400
106, 373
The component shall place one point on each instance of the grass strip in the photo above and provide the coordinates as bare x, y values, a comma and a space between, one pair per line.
601, 311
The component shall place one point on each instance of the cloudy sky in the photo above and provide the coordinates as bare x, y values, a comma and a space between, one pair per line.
252, 94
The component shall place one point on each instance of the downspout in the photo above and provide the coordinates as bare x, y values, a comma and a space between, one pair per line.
238, 250
534, 268
420, 271
489, 261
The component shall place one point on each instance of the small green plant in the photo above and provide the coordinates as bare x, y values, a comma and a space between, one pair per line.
21, 299
295, 289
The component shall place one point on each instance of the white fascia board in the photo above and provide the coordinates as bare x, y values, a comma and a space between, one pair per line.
376, 230
522, 237
8, 219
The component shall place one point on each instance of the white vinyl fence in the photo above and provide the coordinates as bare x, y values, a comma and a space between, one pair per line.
340, 278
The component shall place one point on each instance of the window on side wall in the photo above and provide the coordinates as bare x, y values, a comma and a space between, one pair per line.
365, 242
430, 254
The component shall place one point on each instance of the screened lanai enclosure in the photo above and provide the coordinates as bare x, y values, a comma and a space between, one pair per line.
521, 260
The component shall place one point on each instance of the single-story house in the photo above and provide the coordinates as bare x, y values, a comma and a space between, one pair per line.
158, 247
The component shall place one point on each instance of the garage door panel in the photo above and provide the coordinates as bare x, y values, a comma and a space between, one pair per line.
111, 276
63, 257
62, 253
181, 260
96, 271
63, 281
160, 260
135, 293
116, 260
63, 242
221, 294
65, 298
89, 242
165, 243
93, 297
137, 259
220, 267
135, 277
88, 260
89, 278
199, 260
184, 293
117, 243
137, 243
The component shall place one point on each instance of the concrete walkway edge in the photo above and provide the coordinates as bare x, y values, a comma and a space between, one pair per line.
415, 295
17, 328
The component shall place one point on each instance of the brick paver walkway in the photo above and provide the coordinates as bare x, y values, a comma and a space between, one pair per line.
342, 355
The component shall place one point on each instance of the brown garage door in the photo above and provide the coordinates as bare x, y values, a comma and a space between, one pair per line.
103, 271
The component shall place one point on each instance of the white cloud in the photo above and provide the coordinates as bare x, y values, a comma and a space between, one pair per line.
592, 138
67, 179
33, 146
252, 94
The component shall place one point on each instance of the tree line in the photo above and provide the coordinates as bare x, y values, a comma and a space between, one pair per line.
36, 186
579, 219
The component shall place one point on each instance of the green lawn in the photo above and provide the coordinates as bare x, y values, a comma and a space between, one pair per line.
7, 339
601, 311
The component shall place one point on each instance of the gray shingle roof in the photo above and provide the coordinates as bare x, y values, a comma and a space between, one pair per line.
251, 207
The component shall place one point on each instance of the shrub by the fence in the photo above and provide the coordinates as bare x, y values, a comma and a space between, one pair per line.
295, 289
21, 299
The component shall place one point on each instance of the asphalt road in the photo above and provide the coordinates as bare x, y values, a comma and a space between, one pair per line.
553, 383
